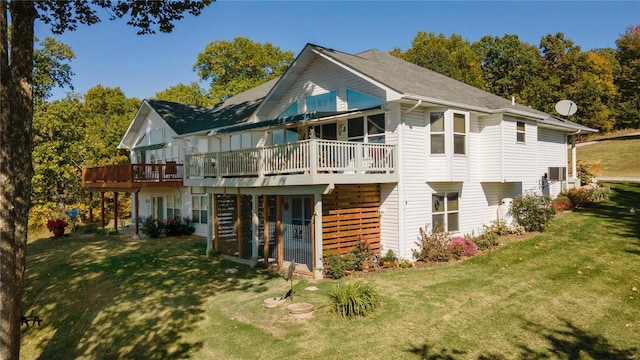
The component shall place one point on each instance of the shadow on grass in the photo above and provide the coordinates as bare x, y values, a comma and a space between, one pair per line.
574, 343
570, 342
618, 213
118, 299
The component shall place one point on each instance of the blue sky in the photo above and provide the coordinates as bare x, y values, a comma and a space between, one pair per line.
111, 54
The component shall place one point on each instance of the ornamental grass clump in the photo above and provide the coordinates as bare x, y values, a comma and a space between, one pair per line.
355, 299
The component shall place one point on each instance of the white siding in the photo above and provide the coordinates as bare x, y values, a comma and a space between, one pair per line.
552, 152
519, 158
490, 149
321, 77
146, 204
389, 229
415, 198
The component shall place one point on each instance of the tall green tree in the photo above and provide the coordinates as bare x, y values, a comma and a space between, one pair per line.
108, 113
51, 68
16, 114
511, 68
191, 94
628, 80
451, 56
238, 65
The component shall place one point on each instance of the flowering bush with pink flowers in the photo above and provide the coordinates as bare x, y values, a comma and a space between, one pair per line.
462, 247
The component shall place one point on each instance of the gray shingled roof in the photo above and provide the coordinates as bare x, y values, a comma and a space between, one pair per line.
187, 119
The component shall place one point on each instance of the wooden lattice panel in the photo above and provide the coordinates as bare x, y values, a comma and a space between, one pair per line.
350, 213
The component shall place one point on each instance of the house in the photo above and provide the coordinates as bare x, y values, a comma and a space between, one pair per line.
340, 148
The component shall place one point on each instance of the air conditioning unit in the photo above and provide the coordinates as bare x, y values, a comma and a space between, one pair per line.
557, 174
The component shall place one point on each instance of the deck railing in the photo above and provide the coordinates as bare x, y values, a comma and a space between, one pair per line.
312, 156
134, 173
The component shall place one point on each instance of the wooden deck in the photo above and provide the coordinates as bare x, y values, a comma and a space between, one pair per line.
132, 176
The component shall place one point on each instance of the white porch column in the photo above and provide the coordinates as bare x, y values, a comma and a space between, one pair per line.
317, 216
574, 166
255, 229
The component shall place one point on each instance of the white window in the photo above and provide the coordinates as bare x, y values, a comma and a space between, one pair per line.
436, 120
459, 134
445, 211
369, 129
199, 212
520, 132
174, 206
283, 136
241, 141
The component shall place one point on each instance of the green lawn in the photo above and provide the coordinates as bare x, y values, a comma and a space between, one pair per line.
569, 293
617, 157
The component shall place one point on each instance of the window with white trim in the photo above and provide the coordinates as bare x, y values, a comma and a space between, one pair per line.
284, 136
358, 100
369, 129
520, 131
199, 209
459, 134
174, 206
436, 120
445, 212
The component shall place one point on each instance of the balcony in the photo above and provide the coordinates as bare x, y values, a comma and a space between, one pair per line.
311, 161
132, 176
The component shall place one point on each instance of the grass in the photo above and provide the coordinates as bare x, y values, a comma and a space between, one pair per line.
568, 293
617, 157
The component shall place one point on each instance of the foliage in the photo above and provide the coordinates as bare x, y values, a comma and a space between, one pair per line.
460, 247
533, 212
355, 299
51, 68
586, 172
239, 65
432, 247
451, 56
360, 255
562, 202
335, 266
151, 227
488, 238
600, 193
628, 56
56, 224
579, 197
191, 94
390, 259
178, 227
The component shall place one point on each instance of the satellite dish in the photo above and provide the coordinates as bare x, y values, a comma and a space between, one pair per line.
566, 107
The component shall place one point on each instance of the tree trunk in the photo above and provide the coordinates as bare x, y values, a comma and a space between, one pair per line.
16, 170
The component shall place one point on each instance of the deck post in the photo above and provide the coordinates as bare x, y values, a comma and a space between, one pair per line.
255, 228
136, 203
115, 211
279, 242
265, 215
216, 225
210, 223
239, 222
102, 208
317, 236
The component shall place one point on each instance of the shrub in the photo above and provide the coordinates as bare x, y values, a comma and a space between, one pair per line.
178, 227
579, 196
460, 247
533, 212
335, 266
152, 227
389, 259
432, 247
600, 193
562, 202
356, 299
359, 255
405, 263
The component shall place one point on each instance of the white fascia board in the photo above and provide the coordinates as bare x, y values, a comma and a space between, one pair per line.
135, 121
391, 93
